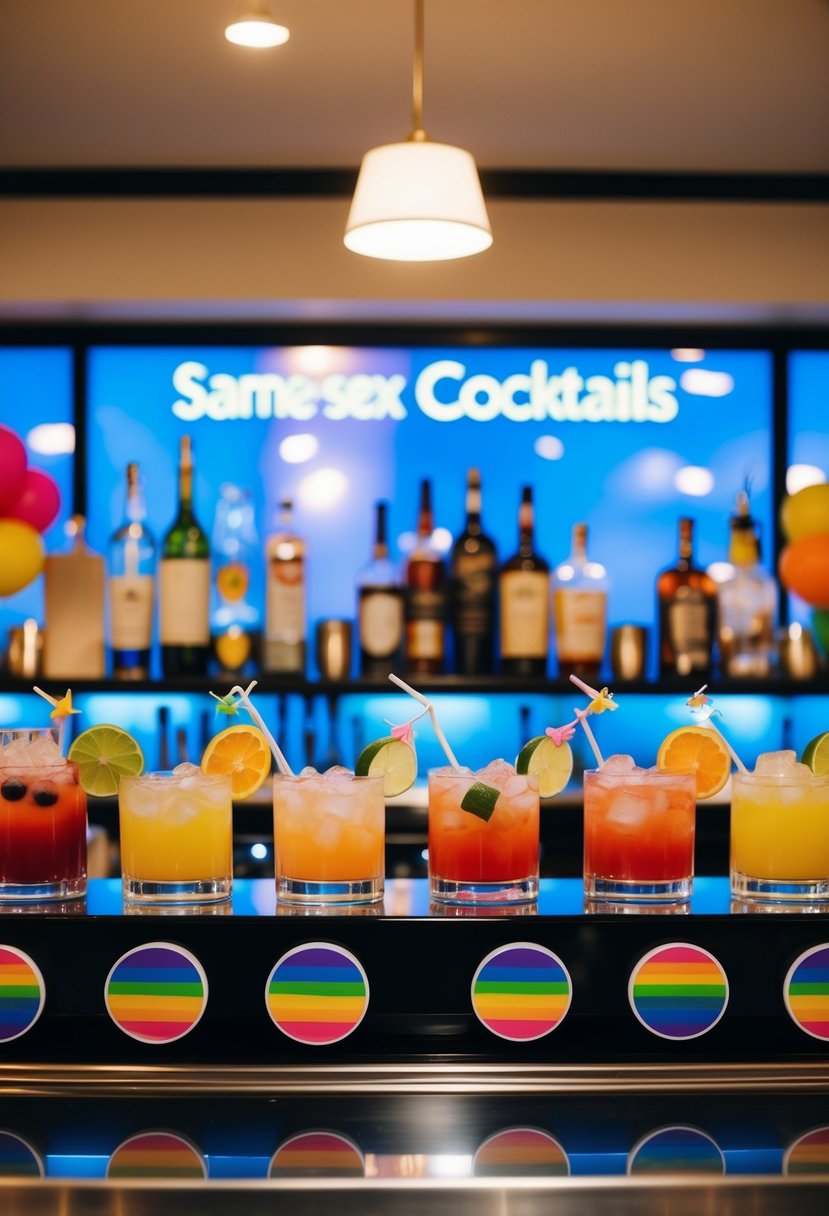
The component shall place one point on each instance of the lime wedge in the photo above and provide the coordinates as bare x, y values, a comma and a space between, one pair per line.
391, 759
816, 754
552, 765
105, 754
480, 800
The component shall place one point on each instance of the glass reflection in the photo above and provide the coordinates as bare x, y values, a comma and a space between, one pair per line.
485, 913
329, 910
223, 909
594, 907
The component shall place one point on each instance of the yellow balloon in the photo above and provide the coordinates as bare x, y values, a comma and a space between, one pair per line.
806, 512
21, 555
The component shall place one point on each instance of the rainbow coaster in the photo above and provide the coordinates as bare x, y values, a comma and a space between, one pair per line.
806, 991
809, 1154
317, 1155
156, 1155
18, 1159
678, 991
676, 1150
156, 993
22, 993
521, 1152
317, 993
521, 992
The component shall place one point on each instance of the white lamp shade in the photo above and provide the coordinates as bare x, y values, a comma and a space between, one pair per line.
418, 201
257, 31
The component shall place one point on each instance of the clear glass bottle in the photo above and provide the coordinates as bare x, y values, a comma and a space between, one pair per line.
131, 586
747, 602
474, 570
580, 591
184, 583
425, 595
234, 618
285, 645
524, 593
687, 600
380, 605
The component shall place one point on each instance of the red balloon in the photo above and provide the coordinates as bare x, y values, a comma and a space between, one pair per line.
804, 568
38, 502
12, 467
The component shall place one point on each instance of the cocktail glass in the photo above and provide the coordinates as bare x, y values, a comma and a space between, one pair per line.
176, 837
780, 832
638, 833
477, 860
42, 819
329, 837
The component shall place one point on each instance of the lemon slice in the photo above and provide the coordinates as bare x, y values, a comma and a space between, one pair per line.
104, 754
242, 752
551, 764
391, 759
816, 754
699, 750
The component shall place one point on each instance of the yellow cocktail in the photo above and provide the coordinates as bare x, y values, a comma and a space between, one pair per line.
780, 831
176, 837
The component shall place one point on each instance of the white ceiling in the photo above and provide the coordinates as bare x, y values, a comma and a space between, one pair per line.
739, 85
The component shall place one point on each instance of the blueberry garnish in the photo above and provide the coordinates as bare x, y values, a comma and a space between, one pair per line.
12, 789
45, 797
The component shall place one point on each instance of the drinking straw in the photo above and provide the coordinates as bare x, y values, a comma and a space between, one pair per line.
603, 700
62, 710
244, 699
699, 703
582, 715
430, 709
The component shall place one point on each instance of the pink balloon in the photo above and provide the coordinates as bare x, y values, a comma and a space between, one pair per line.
38, 502
12, 467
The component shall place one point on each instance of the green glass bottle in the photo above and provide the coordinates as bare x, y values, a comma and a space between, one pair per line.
184, 583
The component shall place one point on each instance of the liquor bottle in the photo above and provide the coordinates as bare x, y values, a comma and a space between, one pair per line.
184, 583
234, 616
285, 626
74, 640
425, 596
131, 586
473, 567
380, 606
524, 592
580, 610
686, 598
747, 602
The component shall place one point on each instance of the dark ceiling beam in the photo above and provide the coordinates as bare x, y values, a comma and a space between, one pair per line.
516, 184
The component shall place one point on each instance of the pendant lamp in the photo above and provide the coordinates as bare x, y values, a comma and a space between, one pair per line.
418, 201
257, 28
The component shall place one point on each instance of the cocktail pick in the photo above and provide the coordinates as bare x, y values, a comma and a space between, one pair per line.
600, 700
404, 730
226, 705
62, 710
562, 734
430, 710
699, 703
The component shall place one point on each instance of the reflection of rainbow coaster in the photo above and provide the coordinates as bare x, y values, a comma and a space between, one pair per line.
22, 993
317, 1155
156, 993
678, 991
676, 1150
156, 1155
809, 1154
806, 991
521, 1152
521, 992
317, 993
18, 1159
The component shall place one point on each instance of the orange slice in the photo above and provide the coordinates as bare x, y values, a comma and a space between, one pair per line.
243, 752
699, 750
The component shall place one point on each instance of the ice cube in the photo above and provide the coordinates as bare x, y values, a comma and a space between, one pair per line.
514, 787
186, 770
309, 771
626, 812
798, 773
618, 764
448, 771
453, 821
776, 764
337, 771
327, 834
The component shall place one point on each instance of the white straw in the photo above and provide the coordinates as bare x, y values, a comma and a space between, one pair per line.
450, 755
582, 717
590, 692
712, 724
244, 696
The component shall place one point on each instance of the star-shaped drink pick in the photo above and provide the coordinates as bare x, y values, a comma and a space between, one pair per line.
62, 710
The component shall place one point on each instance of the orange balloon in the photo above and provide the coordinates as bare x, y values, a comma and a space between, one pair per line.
804, 569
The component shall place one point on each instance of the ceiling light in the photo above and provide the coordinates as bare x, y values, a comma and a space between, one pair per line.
257, 28
418, 201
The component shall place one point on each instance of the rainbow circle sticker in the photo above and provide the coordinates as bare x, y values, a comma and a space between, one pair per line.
521, 1152
18, 1159
521, 992
809, 1154
22, 993
156, 993
156, 1155
317, 1155
676, 1150
317, 994
678, 991
806, 991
